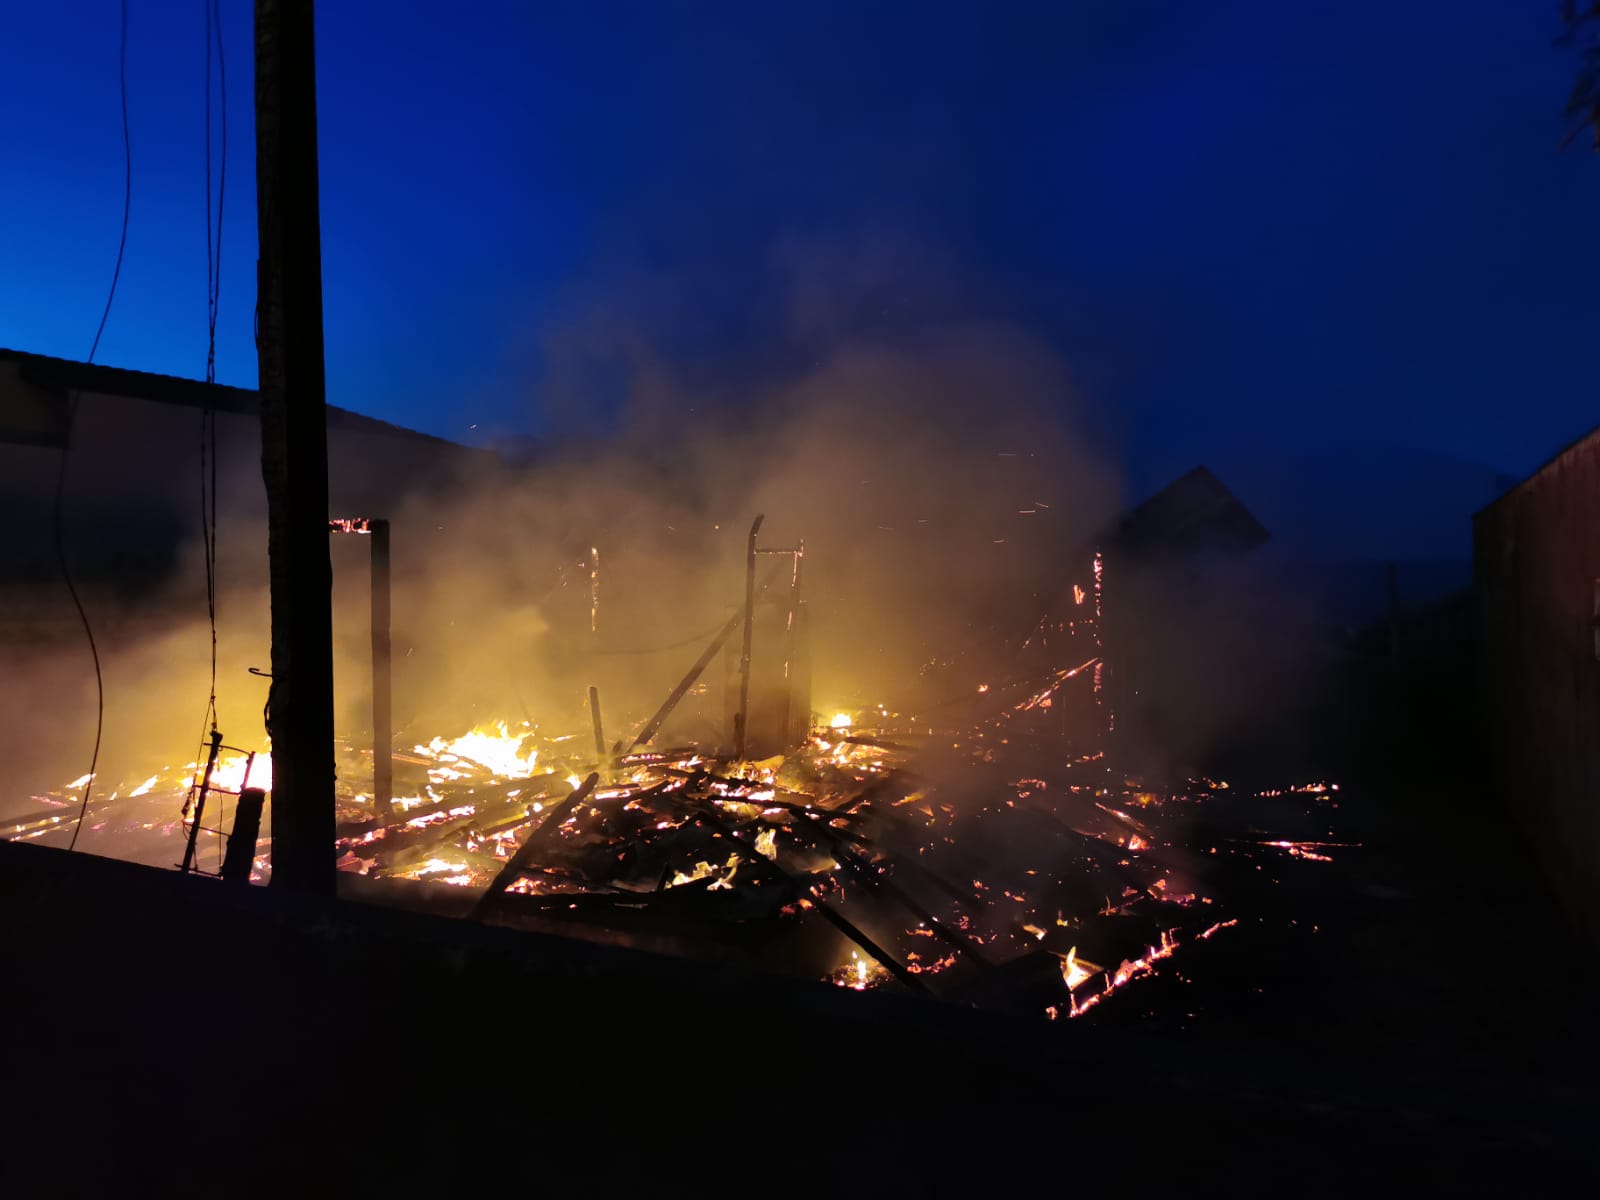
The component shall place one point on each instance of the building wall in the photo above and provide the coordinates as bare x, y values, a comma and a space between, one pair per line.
131, 529
1537, 565
131, 508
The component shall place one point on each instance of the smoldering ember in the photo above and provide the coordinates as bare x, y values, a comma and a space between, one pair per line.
820, 748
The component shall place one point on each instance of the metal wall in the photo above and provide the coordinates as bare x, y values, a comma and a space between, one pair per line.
1537, 565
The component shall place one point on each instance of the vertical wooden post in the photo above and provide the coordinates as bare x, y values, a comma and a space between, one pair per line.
599, 729
294, 448
791, 661
741, 719
382, 674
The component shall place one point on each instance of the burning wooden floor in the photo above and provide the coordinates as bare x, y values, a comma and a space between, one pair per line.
982, 866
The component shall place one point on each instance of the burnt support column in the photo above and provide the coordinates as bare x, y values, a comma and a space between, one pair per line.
599, 729
794, 712
240, 858
294, 448
800, 679
741, 719
382, 675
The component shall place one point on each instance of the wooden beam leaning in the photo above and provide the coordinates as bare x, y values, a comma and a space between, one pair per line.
653, 725
601, 754
707, 811
536, 839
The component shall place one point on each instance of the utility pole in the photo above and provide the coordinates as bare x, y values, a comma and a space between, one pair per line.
294, 448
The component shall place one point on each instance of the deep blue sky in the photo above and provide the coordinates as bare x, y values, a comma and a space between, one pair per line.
1250, 227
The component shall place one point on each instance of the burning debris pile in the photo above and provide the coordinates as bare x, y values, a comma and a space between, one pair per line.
881, 852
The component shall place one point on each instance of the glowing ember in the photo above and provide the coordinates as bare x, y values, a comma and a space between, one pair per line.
1074, 972
442, 870
858, 974
1130, 969
1306, 850
704, 870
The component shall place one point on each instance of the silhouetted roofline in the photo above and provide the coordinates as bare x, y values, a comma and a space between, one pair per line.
1193, 512
1511, 491
66, 374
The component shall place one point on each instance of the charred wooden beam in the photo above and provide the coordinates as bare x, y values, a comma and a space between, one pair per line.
653, 725
480, 798
835, 918
377, 530
382, 674
599, 728
239, 860
794, 806
406, 846
887, 887
960, 895
867, 794
741, 718
793, 644
536, 839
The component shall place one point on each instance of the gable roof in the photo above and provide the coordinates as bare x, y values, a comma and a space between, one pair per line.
1192, 513
1571, 447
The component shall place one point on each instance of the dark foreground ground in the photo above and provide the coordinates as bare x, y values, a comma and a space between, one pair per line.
161, 1033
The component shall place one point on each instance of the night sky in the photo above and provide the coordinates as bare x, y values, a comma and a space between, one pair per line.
1326, 239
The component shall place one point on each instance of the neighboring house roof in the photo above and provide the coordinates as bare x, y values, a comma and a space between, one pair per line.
1194, 512
1571, 447
65, 375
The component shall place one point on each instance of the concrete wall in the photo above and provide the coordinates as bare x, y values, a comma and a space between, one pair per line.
1537, 563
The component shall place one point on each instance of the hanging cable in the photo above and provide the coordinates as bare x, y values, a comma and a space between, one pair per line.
208, 448
72, 416
213, 252
208, 414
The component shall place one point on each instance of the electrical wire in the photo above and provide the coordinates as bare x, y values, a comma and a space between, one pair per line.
208, 417
214, 25
688, 641
208, 414
72, 415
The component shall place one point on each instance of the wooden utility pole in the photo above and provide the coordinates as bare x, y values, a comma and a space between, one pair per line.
294, 448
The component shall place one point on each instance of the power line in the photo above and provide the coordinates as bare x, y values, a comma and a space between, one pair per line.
72, 415
208, 414
208, 445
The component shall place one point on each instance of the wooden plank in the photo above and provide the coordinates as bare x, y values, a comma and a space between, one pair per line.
537, 839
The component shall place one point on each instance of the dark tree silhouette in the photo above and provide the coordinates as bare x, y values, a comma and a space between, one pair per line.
1582, 21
